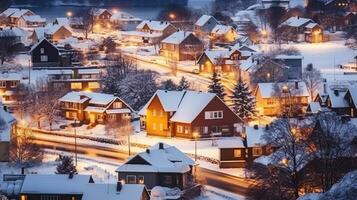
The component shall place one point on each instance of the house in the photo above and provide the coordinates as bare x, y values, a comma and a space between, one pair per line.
63, 21
204, 25
148, 32
181, 45
63, 186
9, 83
275, 3
125, 21
93, 108
55, 33
334, 97
241, 152
160, 165
18, 37
77, 187
294, 64
101, 16
31, 21
351, 98
46, 54
14, 17
220, 60
188, 114
223, 34
117, 191
273, 99
304, 29
7, 129
75, 79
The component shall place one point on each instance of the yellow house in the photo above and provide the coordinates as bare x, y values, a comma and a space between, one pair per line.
274, 99
223, 34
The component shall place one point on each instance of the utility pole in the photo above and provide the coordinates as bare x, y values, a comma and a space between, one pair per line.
29, 72
75, 140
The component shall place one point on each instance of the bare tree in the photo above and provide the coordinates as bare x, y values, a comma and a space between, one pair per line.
3, 20
291, 136
7, 40
312, 78
274, 16
331, 144
87, 19
24, 152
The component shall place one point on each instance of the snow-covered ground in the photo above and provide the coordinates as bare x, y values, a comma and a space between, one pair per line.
212, 193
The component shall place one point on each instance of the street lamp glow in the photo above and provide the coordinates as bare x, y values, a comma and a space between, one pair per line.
264, 33
114, 10
69, 14
172, 16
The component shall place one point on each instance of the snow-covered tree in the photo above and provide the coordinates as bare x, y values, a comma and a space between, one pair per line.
183, 84
312, 78
243, 101
65, 165
216, 86
168, 85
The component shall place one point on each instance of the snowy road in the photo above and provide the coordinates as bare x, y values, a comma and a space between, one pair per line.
204, 176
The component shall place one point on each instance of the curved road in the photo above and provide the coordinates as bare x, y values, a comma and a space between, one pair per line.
204, 176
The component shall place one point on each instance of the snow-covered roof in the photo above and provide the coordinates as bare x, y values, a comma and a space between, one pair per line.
53, 28
353, 93
124, 16
20, 13
39, 42
140, 34
315, 107
154, 25
191, 106
215, 55
118, 111
59, 72
40, 32
169, 159
177, 37
10, 11
5, 129
10, 77
254, 139
204, 19
267, 90
89, 71
34, 18
337, 97
55, 184
169, 100
311, 25
94, 109
287, 57
99, 11
221, 29
109, 192
296, 21
64, 21
95, 98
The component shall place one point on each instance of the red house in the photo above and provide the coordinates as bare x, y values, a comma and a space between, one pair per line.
188, 114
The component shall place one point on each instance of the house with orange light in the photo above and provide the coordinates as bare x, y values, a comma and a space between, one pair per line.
223, 34
181, 45
148, 32
204, 25
94, 108
273, 99
188, 114
304, 29
9, 83
219, 60
56, 32
101, 16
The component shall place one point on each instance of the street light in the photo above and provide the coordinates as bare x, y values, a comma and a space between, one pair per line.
69, 14
172, 16
195, 136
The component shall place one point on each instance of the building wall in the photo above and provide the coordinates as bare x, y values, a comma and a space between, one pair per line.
61, 34
157, 120
50, 51
205, 30
4, 151
150, 179
195, 51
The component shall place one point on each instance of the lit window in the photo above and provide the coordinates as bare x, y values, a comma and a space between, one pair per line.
161, 127
44, 58
118, 104
187, 130
154, 112
237, 153
214, 115
141, 179
93, 85
257, 151
179, 129
2, 84
131, 179
76, 86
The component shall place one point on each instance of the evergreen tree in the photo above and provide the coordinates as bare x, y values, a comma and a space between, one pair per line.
66, 165
216, 86
243, 101
169, 85
184, 84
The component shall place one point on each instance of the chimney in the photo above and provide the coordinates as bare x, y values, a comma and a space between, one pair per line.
325, 88
148, 151
161, 145
119, 186
70, 175
336, 92
296, 84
